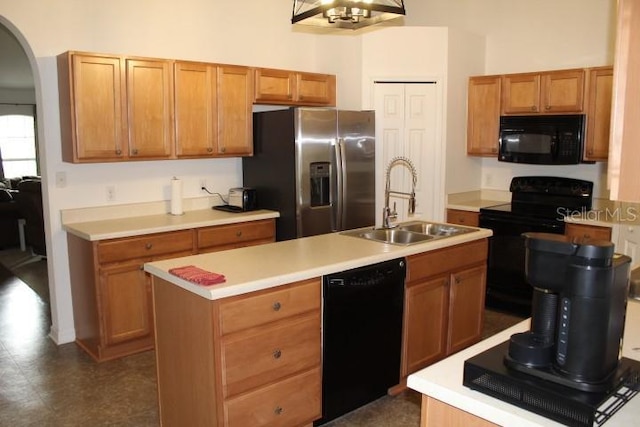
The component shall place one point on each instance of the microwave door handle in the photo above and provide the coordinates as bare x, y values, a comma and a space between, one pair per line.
555, 146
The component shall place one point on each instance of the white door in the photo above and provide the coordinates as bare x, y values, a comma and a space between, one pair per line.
407, 125
628, 242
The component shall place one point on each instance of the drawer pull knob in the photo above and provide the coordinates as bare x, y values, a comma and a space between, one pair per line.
148, 246
278, 410
238, 233
587, 236
277, 306
457, 280
277, 354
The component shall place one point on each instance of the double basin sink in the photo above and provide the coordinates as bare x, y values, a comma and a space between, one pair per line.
409, 233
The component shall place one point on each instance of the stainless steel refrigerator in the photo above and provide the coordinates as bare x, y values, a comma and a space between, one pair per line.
316, 166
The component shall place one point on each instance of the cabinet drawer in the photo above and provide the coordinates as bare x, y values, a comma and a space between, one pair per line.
235, 234
244, 312
252, 360
292, 402
144, 246
594, 232
444, 260
456, 216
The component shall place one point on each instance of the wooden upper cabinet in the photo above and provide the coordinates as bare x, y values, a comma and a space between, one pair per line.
119, 108
623, 174
598, 100
316, 89
195, 88
235, 110
294, 88
150, 108
114, 108
521, 93
92, 107
483, 115
274, 86
541, 93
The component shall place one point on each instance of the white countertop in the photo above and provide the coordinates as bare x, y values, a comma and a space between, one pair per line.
265, 266
147, 224
443, 381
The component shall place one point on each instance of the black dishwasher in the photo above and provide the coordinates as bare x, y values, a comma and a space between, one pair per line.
362, 336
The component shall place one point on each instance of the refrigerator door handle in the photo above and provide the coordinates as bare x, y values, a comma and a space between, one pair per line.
340, 176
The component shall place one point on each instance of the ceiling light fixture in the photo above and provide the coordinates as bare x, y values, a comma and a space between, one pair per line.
351, 14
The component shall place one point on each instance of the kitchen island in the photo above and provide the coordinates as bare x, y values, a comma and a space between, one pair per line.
248, 351
445, 398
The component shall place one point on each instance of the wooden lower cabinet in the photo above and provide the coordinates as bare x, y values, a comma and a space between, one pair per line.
437, 413
586, 231
444, 303
217, 367
230, 236
125, 293
111, 293
457, 216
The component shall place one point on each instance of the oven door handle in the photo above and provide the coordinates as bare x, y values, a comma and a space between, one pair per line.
488, 221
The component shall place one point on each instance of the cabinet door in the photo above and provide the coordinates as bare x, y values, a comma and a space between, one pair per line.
316, 89
93, 123
562, 91
483, 115
582, 231
521, 93
195, 109
149, 106
125, 300
276, 86
596, 145
466, 307
425, 320
235, 117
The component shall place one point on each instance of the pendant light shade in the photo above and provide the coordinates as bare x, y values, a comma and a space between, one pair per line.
351, 14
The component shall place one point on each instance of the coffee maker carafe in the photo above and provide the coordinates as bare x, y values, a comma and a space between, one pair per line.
577, 319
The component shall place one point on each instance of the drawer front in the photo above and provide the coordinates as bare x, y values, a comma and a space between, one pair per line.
444, 260
144, 246
233, 234
292, 402
455, 216
252, 360
244, 312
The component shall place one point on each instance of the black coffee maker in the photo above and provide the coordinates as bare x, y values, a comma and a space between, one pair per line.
577, 320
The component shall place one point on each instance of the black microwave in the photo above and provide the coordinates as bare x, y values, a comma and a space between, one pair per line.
543, 140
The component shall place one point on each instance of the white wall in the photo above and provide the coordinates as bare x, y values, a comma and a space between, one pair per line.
259, 33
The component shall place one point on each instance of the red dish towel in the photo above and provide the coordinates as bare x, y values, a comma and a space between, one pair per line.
197, 275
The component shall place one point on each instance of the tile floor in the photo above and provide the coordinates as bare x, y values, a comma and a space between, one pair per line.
42, 384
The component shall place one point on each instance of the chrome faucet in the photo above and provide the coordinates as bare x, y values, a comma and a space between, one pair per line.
387, 214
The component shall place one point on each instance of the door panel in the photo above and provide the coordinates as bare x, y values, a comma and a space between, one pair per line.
407, 125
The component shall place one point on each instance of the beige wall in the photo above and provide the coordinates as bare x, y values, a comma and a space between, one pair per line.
255, 32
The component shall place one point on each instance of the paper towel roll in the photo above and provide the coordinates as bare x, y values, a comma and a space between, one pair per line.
176, 196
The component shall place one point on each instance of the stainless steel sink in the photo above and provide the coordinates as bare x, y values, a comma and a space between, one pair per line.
394, 236
409, 233
434, 229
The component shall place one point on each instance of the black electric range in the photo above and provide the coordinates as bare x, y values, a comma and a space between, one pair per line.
538, 204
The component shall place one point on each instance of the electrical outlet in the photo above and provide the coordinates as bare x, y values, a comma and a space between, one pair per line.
111, 193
